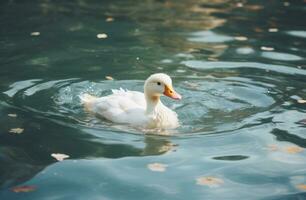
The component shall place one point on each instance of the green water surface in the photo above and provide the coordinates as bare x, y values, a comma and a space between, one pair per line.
239, 65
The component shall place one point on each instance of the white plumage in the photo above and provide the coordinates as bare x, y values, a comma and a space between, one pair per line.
135, 108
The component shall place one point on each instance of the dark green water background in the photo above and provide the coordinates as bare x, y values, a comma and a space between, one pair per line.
240, 66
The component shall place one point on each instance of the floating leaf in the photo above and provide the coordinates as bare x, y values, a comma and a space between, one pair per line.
157, 167
288, 149
267, 48
35, 33
23, 188
301, 101
273, 30
102, 35
258, 30
209, 181
241, 38
16, 130
109, 78
254, 7
301, 186
109, 19
239, 5
293, 149
12, 115
59, 156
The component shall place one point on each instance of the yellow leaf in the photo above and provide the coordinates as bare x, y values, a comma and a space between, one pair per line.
239, 5
301, 101
16, 130
109, 19
35, 33
293, 149
273, 30
301, 186
102, 35
157, 167
209, 181
267, 48
109, 78
241, 38
59, 156
24, 188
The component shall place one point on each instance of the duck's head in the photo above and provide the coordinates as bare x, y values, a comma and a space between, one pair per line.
160, 84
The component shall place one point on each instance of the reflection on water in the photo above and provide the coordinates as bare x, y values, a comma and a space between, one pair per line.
240, 66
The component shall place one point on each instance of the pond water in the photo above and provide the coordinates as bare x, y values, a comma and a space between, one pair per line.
240, 66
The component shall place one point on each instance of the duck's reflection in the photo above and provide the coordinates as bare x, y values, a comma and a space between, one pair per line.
20, 161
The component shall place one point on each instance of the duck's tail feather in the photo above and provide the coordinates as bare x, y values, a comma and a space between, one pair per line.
87, 100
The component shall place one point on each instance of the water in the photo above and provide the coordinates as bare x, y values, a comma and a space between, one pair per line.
240, 67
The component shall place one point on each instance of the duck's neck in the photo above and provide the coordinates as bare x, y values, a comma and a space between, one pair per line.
153, 102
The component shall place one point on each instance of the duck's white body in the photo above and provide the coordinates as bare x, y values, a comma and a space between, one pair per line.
135, 108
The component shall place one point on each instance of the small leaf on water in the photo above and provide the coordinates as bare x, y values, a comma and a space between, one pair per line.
301, 186
35, 33
109, 19
267, 48
239, 5
59, 156
23, 188
157, 167
12, 115
109, 78
16, 130
301, 101
254, 7
241, 38
209, 181
288, 149
273, 30
102, 35
293, 149
258, 30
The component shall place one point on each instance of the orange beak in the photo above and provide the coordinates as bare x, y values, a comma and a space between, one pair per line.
169, 91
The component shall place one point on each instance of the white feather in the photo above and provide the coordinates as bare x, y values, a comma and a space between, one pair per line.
130, 107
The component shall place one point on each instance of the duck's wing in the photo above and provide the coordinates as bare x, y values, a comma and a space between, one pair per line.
137, 97
122, 106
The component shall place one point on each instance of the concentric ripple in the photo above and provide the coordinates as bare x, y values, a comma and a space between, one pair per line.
210, 104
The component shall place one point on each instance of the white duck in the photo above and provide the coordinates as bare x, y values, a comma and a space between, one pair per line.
135, 108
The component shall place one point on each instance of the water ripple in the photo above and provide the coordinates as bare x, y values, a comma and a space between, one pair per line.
207, 65
210, 105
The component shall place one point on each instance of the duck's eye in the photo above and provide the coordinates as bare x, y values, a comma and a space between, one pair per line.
158, 83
